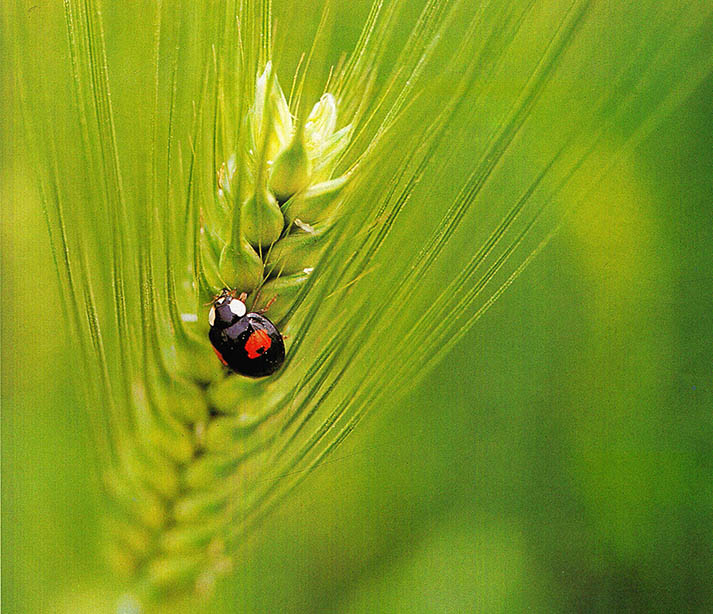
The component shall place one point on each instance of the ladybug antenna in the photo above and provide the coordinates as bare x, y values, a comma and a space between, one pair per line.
224, 292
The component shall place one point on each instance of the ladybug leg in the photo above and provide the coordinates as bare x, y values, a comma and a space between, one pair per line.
268, 304
243, 297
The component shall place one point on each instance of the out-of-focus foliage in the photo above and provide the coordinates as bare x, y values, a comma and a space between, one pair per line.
559, 459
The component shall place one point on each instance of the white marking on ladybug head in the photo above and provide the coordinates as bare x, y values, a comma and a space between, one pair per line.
238, 308
211, 316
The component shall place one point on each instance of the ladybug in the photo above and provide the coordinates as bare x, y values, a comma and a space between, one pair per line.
248, 343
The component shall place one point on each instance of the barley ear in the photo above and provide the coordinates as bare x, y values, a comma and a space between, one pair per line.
377, 212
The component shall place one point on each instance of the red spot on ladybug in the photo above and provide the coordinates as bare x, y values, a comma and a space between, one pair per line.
220, 357
258, 343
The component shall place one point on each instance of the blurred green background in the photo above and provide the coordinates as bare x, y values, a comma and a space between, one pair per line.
559, 460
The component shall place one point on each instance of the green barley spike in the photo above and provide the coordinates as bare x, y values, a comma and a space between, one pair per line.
310, 189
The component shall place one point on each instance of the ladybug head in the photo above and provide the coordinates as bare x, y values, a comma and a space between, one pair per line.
226, 310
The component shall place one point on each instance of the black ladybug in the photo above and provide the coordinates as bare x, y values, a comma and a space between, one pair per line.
248, 343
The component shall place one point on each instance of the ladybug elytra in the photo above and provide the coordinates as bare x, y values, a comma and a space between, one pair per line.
247, 343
